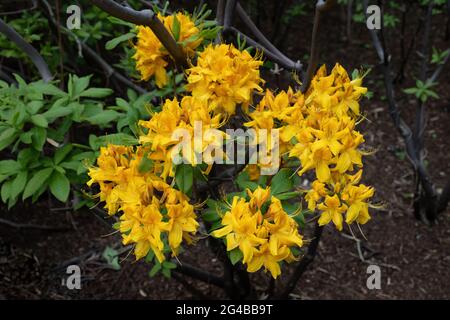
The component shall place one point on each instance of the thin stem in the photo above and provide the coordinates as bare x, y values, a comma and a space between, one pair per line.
321, 7
303, 264
198, 274
31, 52
145, 18
264, 41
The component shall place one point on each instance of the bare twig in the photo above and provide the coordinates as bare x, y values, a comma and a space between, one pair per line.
321, 7
303, 264
264, 41
431, 200
31, 52
31, 226
198, 274
145, 18
230, 5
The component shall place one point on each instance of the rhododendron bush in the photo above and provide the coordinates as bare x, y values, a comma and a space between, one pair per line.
164, 207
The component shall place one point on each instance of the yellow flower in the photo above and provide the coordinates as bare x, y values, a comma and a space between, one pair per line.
264, 257
240, 226
142, 197
159, 136
224, 77
356, 197
317, 192
152, 58
332, 210
258, 197
181, 223
264, 234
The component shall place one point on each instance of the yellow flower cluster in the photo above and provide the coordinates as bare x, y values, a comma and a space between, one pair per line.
164, 144
151, 209
262, 231
152, 58
318, 128
282, 113
224, 77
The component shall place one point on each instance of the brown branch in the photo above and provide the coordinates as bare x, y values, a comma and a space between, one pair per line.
31, 226
198, 274
145, 18
302, 266
230, 5
321, 7
272, 56
264, 41
403, 128
30, 51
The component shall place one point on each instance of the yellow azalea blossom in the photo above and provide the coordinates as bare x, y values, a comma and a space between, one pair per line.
224, 77
319, 129
142, 197
164, 145
332, 210
152, 58
263, 233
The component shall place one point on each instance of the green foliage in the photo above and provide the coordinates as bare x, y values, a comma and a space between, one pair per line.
33, 27
184, 177
423, 91
111, 257
35, 121
438, 56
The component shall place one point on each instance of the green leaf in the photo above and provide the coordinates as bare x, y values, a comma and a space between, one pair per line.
34, 106
61, 153
210, 215
243, 181
48, 89
59, 186
145, 165
79, 85
39, 120
282, 182
166, 273
288, 195
169, 265
57, 112
9, 167
18, 184
112, 258
184, 177
116, 138
96, 92
155, 270
7, 137
104, 118
25, 137
36, 182
25, 156
235, 256
111, 44
176, 28
38, 138
6, 190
